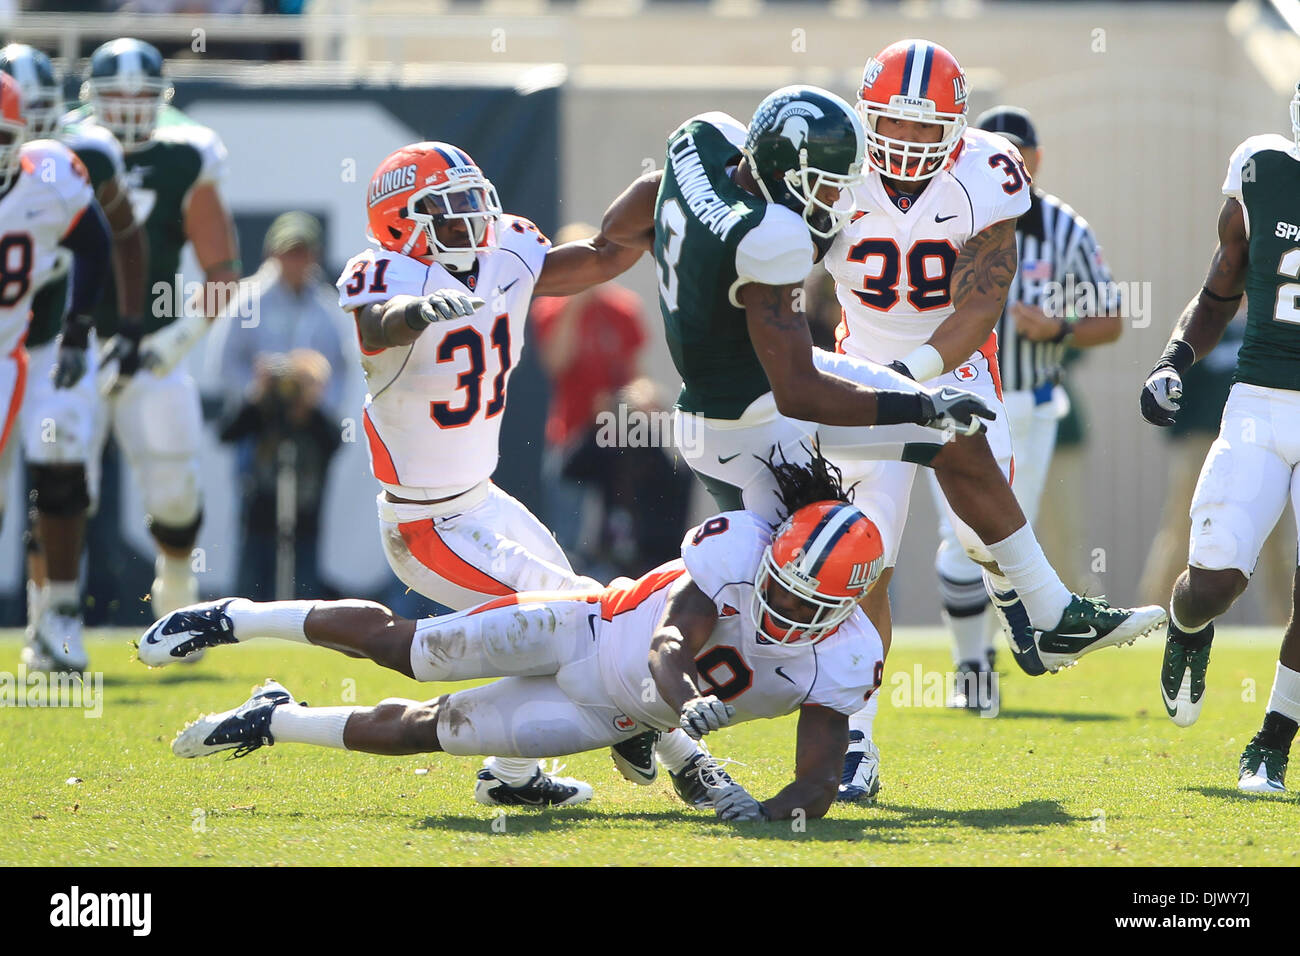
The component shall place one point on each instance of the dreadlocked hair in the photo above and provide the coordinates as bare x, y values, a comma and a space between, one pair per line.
799, 485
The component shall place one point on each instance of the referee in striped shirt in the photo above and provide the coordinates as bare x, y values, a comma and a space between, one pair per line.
1062, 296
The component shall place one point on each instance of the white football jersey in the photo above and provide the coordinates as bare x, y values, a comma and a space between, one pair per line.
433, 413
892, 268
758, 677
40, 209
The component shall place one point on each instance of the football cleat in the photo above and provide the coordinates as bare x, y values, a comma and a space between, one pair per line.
1018, 630
1263, 770
57, 641
861, 780
975, 688
635, 758
1089, 624
541, 791
1182, 673
243, 729
184, 633
697, 782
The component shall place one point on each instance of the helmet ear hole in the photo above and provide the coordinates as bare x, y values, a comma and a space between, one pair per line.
395, 232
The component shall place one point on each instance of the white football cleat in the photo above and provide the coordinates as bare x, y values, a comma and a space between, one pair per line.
57, 640
543, 790
242, 729
861, 779
187, 632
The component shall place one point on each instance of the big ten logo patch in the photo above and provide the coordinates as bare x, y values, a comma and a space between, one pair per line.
966, 373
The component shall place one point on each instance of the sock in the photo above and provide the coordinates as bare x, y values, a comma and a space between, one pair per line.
1177, 625
864, 718
963, 611
175, 573
1277, 733
283, 620
515, 771
322, 726
1025, 567
1285, 698
61, 595
34, 605
675, 750
1192, 640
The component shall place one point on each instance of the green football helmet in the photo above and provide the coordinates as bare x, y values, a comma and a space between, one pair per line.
126, 84
800, 139
42, 95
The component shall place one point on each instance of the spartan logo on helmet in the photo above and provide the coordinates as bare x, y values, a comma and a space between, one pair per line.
791, 122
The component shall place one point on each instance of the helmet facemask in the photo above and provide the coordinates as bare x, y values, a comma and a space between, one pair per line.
903, 159
43, 107
16, 134
468, 199
128, 107
798, 191
830, 611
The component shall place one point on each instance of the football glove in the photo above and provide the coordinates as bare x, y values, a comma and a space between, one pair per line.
161, 351
703, 715
70, 365
119, 359
446, 305
1161, 394
952, 409
735, 803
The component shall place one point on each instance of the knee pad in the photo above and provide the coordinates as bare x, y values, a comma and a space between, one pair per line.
175, 536
961, 581
59, 491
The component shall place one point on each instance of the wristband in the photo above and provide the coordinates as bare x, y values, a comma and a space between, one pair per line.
924, 363
898, 408
1064, 333
1178, 355
414, 316
1220, 298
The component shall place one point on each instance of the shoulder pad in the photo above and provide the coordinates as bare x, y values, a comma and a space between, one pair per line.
989, 168
364, 281
724, 550
1242, 154
81, 137
850, 664
58, 168
211, 150
525, 240
735, 131
777, 251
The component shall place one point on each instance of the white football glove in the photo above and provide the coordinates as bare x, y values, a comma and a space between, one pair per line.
735, 803
956, 410
446, 305
161, 351
1161, 394
703, 715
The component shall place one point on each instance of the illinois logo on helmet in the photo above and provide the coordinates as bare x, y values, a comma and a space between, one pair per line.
13, 128
827, 555
431, 201
922, 82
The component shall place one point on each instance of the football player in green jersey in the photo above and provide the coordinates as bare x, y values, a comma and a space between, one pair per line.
56, 425
1251, 468
173, 167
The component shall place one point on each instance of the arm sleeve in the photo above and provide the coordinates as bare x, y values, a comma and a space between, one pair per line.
91, 247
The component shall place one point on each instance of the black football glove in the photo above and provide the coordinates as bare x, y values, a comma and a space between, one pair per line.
1161, 394
70, 365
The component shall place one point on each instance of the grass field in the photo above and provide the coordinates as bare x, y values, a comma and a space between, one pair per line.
1080, 768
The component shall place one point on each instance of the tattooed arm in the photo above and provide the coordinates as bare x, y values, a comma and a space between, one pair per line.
1206, 316
981, 278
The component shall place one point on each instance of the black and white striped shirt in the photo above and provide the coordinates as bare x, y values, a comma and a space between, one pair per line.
1061, 269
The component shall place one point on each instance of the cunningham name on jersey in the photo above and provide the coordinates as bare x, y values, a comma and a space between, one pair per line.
433, 413
893, 267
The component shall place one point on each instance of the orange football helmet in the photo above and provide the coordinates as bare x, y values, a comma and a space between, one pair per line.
827, 554
423, 187
919, 81
13, 128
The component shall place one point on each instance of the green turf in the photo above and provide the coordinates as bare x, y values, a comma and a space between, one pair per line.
1080, 768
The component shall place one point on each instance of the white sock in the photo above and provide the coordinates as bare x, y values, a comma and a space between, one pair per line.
175, 573
1036, 583
864, 718
34, 605
1183, 627
61, 594
283, 620
322, 726
1285, 698
675, 750
515, 771
968, 641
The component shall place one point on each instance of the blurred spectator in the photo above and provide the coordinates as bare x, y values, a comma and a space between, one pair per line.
588, 345
290, 442
643, 487
1205, 391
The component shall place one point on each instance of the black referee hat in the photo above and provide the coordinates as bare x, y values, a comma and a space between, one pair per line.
1011, 122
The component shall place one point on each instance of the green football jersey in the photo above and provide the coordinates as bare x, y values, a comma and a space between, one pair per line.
711, 237
1264, 176
160, 175
100, 153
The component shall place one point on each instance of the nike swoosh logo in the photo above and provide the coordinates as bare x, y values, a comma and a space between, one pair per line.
945, 218
948, 394
503, 289
1056, 643
785, 675
723, 461
591, 621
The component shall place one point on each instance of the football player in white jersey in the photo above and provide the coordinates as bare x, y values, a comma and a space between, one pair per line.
748, 623
48, 215
440, 307
56, 424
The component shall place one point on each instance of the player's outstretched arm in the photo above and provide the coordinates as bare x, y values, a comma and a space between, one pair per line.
577, 266
630, 219
823, 737
1201, 325
401, 320
981, 279
688, 620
